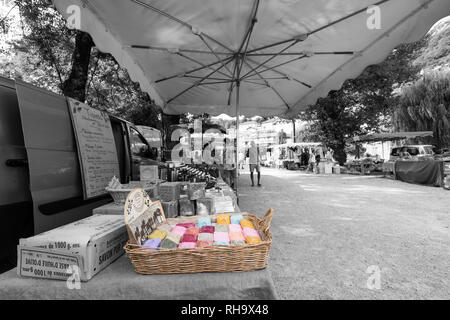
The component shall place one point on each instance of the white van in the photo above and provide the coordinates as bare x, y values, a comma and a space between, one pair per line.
41, 184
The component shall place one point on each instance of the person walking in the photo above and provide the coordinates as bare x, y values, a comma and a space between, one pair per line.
254, 160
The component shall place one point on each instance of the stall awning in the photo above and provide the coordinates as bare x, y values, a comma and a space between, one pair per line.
379, 137
193, 55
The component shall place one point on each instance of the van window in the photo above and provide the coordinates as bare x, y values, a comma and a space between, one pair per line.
413, 151
395, 152
138, 144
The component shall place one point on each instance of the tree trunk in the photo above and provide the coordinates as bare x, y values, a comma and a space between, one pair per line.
340, 155
75, 86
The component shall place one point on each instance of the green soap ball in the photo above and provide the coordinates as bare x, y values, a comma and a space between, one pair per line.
168, 244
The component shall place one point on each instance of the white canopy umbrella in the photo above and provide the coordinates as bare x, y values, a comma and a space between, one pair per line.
276, 56
193, 55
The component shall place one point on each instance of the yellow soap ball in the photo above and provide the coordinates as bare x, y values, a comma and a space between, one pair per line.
158, 234
247, 224
253, 240
223, 219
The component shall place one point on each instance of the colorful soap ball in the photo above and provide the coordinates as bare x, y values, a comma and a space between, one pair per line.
204, 244
234, 236
207, 229
247, 224
152, 244
168, 244
174, 237
253, 240
221, 243
221, 237
223, 219
203, 221
236, 219
165, 227
189, 238
208, 237
221, 228
158, 234
193, 230
186, 225
234, 228
249, 232
187, 245
179, 230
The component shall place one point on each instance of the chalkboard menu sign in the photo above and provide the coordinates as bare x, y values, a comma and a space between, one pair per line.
96, 148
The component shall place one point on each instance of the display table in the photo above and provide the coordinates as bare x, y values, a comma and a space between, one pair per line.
430, 172
120, 281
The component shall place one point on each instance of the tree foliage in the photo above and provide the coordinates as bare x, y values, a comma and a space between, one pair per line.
45, 52
362, 105
425, 106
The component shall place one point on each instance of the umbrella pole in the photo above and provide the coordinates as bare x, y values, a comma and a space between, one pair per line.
238, 85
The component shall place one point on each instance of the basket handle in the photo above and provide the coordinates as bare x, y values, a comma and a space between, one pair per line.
267, 219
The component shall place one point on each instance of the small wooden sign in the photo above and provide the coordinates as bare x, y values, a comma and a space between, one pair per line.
142, 216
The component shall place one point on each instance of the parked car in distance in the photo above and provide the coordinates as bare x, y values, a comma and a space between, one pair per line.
417, 152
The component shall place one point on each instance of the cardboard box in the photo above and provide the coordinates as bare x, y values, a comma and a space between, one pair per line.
186, 207
170, 209
169, 191
91, 244
149, 173
204, 206
197, 190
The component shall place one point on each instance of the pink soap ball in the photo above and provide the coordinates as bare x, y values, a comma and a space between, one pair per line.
193, 230
235, 228
179, 230
221, 237
249, 232
186, 225
207, 229
189, 238
187, 245
236, 236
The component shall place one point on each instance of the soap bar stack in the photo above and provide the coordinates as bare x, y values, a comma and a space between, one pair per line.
173, 238
229, 230
250, 234
189, 239
206, 235
221, 236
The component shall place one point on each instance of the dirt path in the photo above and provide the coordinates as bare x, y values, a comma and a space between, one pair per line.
328, 230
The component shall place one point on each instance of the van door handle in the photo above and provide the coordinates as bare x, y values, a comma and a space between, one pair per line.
16, 163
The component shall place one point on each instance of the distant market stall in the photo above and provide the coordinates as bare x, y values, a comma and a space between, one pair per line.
420, 168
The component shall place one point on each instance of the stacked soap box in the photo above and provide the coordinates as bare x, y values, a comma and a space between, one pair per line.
185, 199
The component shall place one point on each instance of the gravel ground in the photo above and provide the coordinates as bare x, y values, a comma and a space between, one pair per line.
328, 230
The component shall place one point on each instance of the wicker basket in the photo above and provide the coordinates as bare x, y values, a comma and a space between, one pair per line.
211, 259
120, 195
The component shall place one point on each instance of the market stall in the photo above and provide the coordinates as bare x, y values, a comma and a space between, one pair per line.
430, 172
188, 62
369, 165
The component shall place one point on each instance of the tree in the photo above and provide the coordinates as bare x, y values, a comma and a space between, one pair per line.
362, 105
67, 51
425, 106
45, 52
